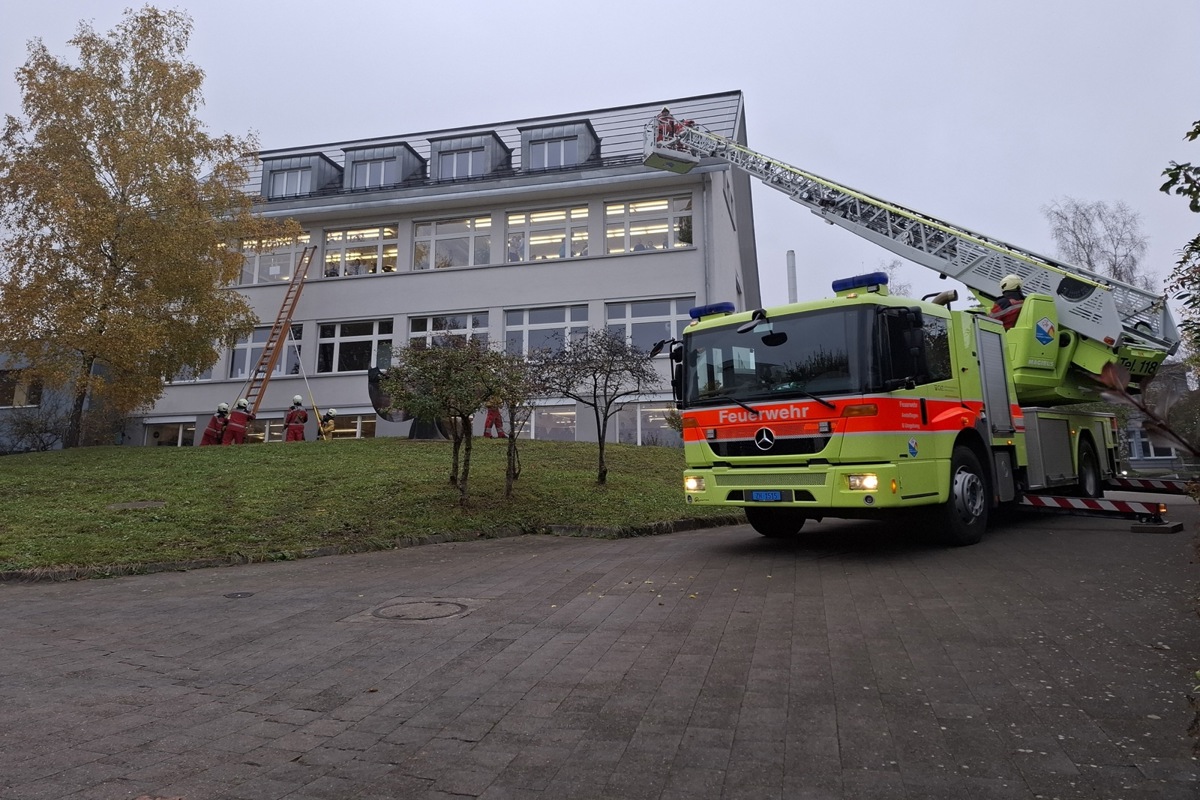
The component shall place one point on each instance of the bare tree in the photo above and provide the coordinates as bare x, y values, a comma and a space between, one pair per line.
601, 370
901, 288
1106, 239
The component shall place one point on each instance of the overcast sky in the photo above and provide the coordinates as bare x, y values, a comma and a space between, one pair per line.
979, 113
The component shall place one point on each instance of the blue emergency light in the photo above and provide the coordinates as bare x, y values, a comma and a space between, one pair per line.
700, 312
860, 282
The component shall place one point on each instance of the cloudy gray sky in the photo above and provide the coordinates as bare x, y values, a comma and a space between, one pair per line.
980, 113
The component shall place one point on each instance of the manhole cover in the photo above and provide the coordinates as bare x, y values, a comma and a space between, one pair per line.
420, 609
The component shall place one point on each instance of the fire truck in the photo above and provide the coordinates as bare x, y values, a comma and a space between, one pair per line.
868, 404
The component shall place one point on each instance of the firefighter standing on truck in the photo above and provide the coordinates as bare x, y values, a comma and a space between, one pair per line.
239, 418
1008, 305
216, 426
295, 420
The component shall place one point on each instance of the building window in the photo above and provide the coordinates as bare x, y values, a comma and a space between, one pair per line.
440, 330
187, 375
354, 346
246, 352
461, 164
291, 182
554, 233
273, 260
645, 322
551, 153
171, 434
554, 423
372, 174
528, 330
656, 224
461, 242
360, 251
355, 426
16, 393
646, 424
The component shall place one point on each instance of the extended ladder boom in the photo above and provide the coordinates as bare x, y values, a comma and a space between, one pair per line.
261, 373
1098, 307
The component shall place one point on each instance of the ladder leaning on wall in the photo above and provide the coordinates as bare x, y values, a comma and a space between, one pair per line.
276, 342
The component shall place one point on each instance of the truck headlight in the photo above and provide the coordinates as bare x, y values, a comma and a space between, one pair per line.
864, 483
693, 483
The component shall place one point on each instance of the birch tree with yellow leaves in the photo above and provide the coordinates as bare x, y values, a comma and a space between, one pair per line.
121, 219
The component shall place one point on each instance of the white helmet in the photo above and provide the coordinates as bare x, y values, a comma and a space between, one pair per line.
331, 412
242, 402
1010, 283
223, 407
297, 400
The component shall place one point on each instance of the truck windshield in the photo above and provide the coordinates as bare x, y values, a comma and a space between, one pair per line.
817, 353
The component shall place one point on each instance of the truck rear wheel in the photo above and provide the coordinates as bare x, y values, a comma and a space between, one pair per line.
962, 519
775, 521
1089, 471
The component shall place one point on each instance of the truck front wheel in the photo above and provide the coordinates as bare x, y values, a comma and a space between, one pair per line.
1089, 471
775, 521
963, 517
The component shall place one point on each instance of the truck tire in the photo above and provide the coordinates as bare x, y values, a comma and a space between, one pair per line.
1089, 471
775, 522
963, 518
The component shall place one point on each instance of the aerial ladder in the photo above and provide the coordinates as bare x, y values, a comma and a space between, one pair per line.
277, 339
1111, 317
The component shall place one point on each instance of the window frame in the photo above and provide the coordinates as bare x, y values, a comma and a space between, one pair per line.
478, 236
649, 224
288, 364
384, 238
435, 328
255, 261
332, 345
303, 180
555, 227
476, 163
674, 320
541, 150
12, 390
573, 324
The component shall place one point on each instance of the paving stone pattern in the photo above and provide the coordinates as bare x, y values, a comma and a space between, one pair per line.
1050, 661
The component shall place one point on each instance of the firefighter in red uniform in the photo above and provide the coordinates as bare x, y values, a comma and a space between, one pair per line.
239, 418
295, 420
216, 426
1008, 306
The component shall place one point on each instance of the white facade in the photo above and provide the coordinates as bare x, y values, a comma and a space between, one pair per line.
512, 231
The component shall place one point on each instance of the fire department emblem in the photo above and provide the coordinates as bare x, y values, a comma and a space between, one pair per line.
912, 448
764, 439
1044, 330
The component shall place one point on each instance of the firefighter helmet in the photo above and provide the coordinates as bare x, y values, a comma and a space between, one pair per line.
223, 407
1010, 283
243, 402
332, 412
297, 400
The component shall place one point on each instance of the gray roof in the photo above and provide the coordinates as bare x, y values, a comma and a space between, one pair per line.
619, 130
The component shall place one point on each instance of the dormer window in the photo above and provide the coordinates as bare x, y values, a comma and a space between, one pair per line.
550, 153
290, 182
461, 164
563, 144
369, 174
470, 156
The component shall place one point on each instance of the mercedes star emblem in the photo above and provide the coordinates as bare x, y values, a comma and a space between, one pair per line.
764, 439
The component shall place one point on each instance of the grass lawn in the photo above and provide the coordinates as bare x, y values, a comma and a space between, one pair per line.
281, 501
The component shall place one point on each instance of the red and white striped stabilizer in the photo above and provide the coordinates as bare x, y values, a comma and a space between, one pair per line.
1153, 510
1148, 485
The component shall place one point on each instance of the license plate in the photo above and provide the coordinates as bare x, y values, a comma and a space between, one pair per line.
766, 497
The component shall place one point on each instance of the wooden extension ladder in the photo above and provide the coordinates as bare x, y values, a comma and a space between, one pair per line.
277, 339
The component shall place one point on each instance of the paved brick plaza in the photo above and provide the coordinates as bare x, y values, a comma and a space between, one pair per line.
1052, 660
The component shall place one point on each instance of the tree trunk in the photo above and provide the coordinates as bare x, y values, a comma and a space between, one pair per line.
465, 424
456, 436
74, 430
